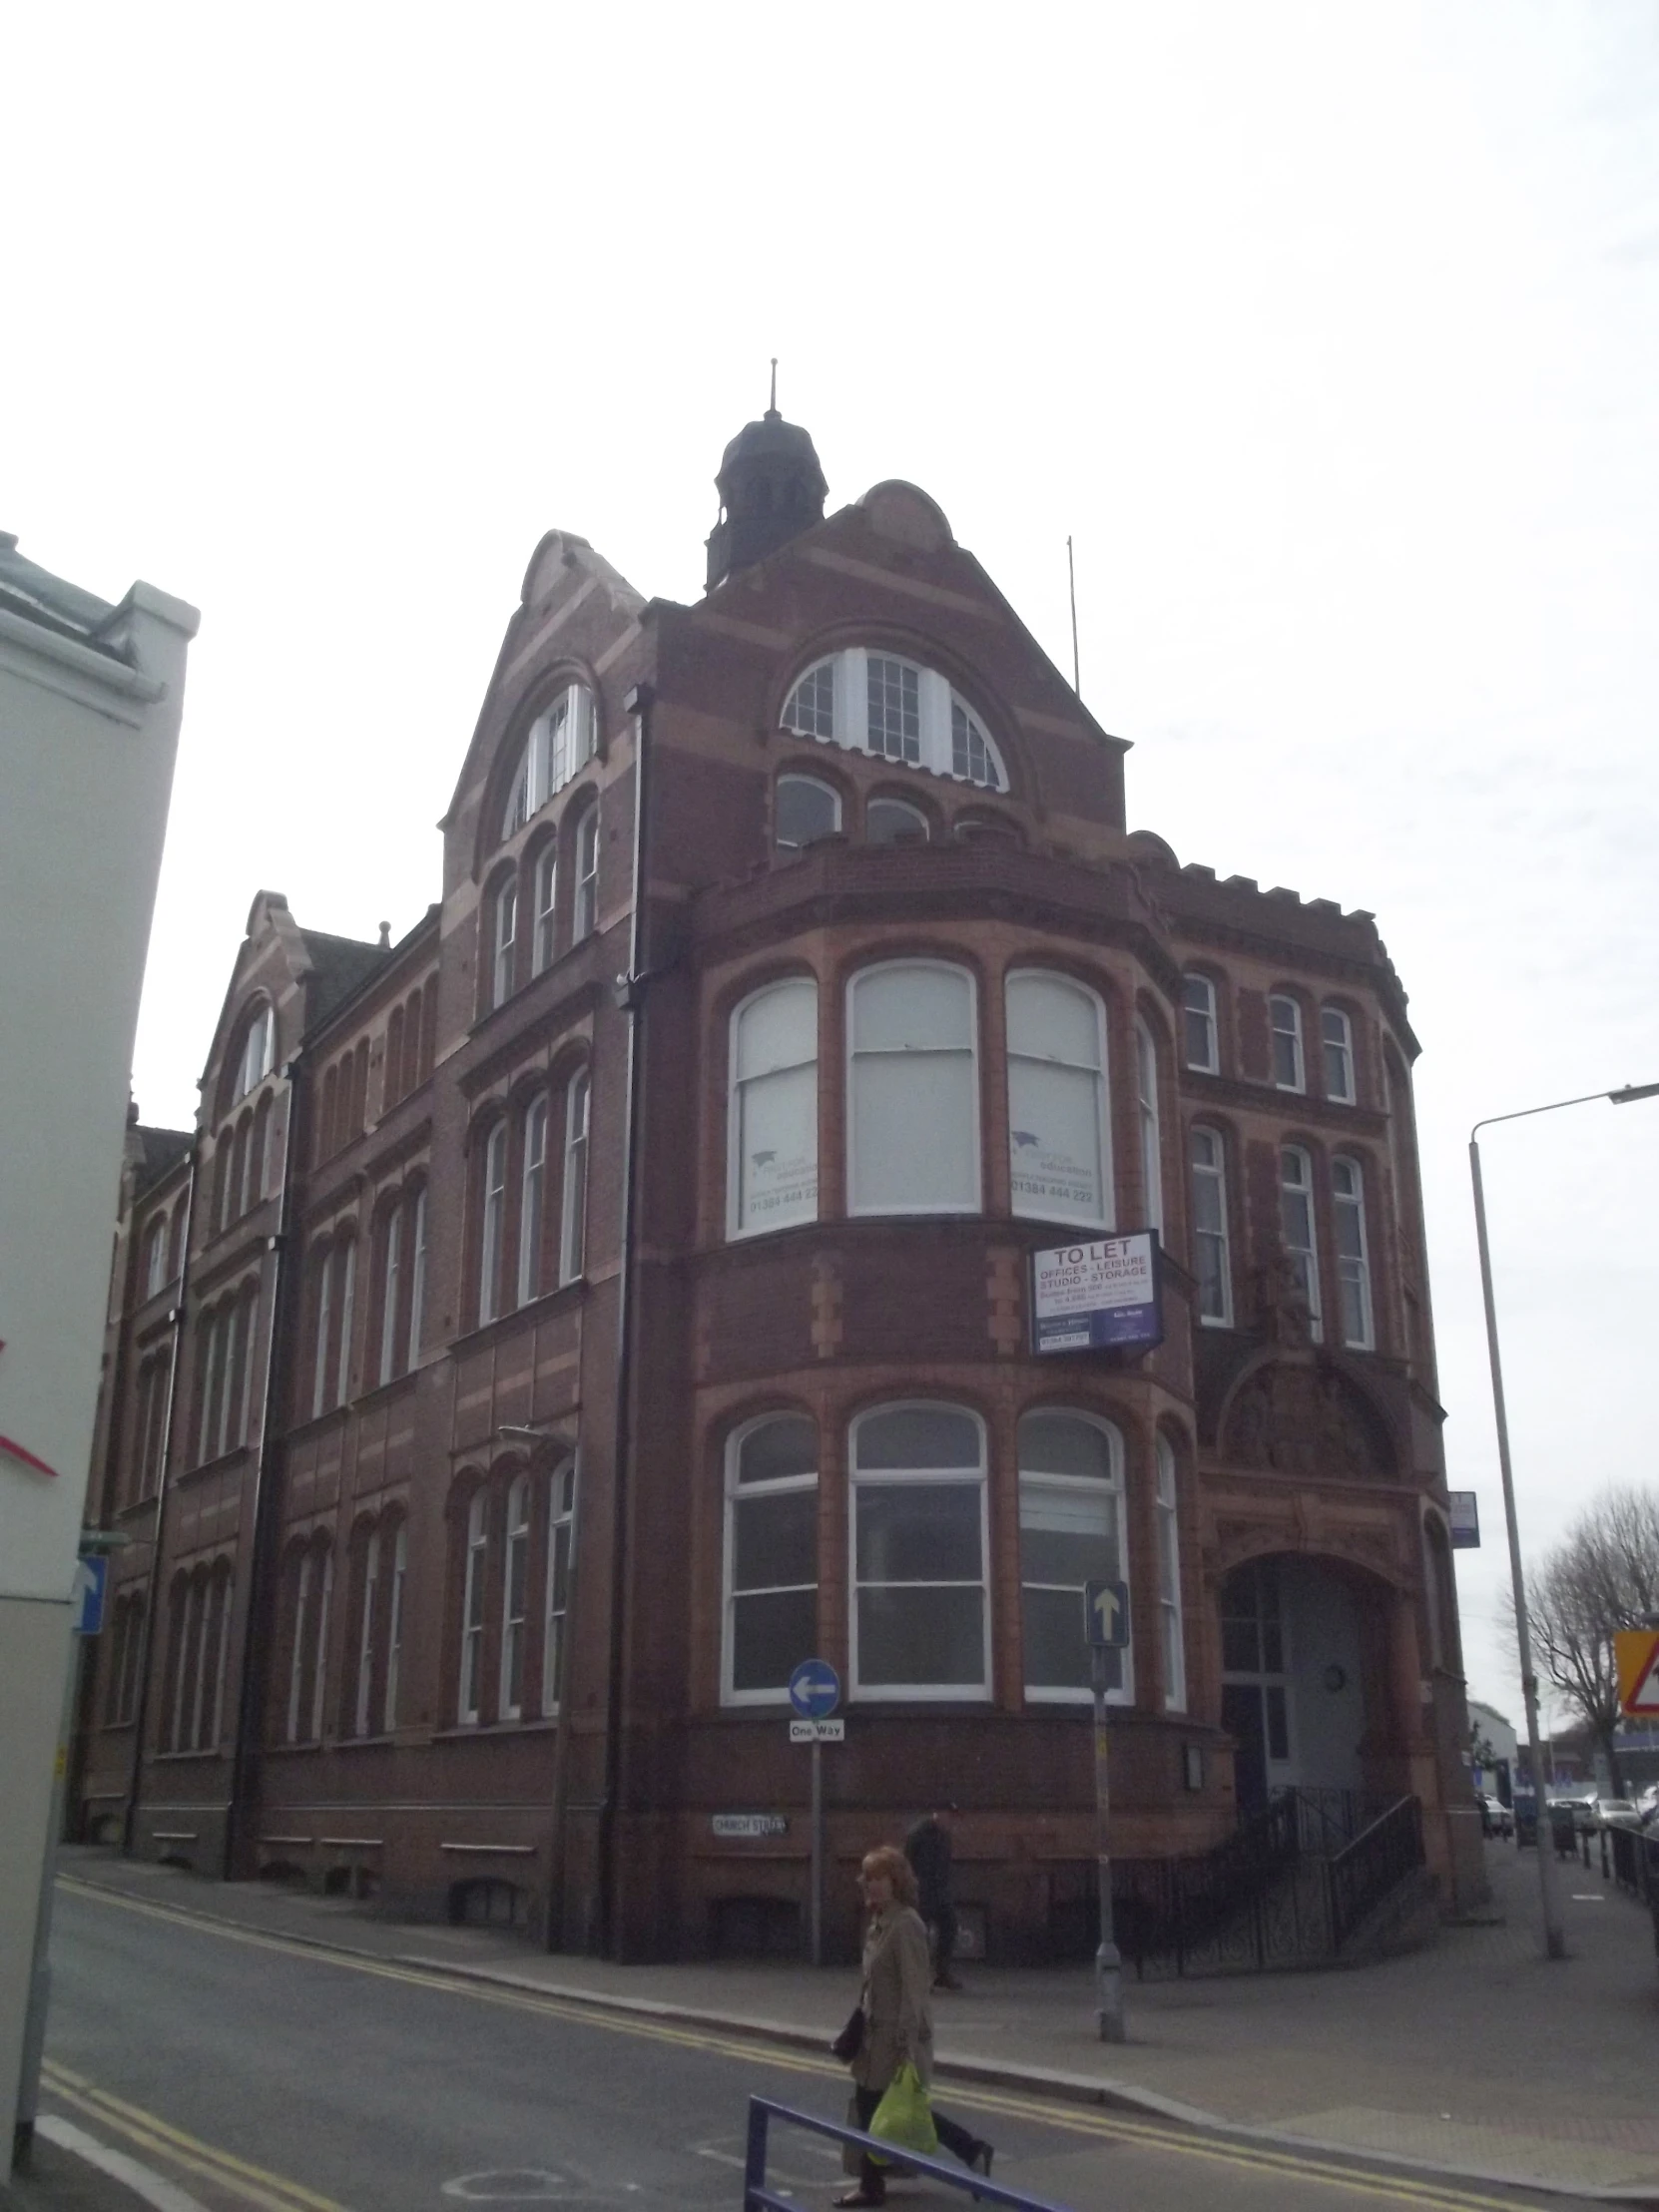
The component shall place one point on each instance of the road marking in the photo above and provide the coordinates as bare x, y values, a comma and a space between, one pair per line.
486, 2188
1402, 2187
154, 2188
271, 2192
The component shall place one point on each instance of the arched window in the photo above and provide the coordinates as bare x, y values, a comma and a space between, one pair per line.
492, 1221
806, 810
1174, 1644
1337, 1036
894, 822
346, 1264
1072, 1532
1347, 1205
561, 1521
192, 1610
547, 894
393, 1082
920, 1625
258, 1050
313, 1577
219, 1213
214, 1351
562, 739
532, 1184
326, 1137
1285, 1019
515, 1590
368, 1624
258, 1157
878, 703
392, 1272
471, 1687
1152, 1144
1198, 1024
1295, 1229
505, 943
913, 1091
325, 1280
394, 1622
205, 1721
1059, 1153
153, 1264
771, 1556
584, 906
573, 1225
1211, 1262
772, 1123
417, 1274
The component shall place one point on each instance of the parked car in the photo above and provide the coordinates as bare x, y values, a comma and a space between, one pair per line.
1495, 1817
1576, 1806
1617, 1812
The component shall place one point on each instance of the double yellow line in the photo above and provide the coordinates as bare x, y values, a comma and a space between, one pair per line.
175, 2149
284, 2197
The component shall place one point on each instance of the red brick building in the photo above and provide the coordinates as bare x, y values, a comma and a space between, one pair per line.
567, 1319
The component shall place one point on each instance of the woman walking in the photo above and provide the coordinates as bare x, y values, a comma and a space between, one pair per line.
897, 2014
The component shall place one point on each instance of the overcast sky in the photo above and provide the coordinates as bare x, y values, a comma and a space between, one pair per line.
1327, 330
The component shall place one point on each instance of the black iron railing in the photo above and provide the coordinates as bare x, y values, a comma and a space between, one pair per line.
1379, 1858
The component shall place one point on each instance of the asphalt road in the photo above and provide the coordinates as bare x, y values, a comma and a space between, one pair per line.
256, 2071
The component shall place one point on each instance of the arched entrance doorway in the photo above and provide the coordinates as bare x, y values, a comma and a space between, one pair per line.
1303, 1692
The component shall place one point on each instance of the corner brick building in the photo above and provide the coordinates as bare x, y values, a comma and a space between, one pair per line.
565, 1319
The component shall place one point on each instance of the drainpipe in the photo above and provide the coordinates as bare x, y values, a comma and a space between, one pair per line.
630, 996
266, 1499
158, 1523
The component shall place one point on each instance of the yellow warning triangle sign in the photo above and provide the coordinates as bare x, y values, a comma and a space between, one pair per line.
1636, 1654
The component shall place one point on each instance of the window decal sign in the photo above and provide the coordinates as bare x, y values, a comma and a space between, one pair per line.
1097, 1295
781, 1186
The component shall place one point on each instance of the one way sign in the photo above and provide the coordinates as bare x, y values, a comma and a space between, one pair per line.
1106, 1614
1636, 1652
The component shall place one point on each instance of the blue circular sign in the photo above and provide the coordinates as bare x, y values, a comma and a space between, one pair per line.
814, 1689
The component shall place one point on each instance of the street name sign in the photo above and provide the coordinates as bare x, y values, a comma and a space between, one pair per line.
814, 1689
1099, 1294
1465, 1521
1636, 1655
818, 1732
1106, 1614
748, 1824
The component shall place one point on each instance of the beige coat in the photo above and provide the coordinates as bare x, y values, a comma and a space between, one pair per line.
897, 1999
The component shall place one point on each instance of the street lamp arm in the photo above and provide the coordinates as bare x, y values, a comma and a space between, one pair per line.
1627, 1096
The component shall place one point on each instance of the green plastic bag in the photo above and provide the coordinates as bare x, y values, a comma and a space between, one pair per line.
905, 2118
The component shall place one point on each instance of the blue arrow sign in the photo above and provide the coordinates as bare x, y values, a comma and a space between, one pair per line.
814, 1689
1106, 1614
92, 1577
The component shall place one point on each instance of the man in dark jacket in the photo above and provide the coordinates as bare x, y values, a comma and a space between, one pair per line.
927, 1848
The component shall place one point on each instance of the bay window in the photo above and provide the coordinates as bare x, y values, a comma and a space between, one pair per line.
1058, 1146
1152, 1145
913, 1091
771, 1556
1347, 1205
1071, 1532
771, 1176
920, 1626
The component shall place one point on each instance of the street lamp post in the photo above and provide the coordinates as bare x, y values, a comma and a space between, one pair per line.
1555, 1946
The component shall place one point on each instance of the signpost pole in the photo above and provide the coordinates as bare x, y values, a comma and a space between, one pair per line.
817, 1853
1108, 1966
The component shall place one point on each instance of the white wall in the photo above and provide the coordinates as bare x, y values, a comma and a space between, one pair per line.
87, 745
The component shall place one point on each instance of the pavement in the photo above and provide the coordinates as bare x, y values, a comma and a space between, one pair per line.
1474, 2057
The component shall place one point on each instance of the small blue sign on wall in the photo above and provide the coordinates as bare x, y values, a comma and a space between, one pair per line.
92, 1579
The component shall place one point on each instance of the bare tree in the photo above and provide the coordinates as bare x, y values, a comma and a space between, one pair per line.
1603, 1576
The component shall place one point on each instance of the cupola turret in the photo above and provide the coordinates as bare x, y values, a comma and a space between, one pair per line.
771, 489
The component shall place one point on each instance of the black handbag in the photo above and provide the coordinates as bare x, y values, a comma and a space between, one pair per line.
850, 2040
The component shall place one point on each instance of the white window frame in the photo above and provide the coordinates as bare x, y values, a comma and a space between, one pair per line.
561, 1535
1193, 980
561, 740
899, 805
504, 950
735, 1494
1338, 1051
491, 1223
1087, 1486
1150, 1124
418, 1278
813, 783
514, 1624
394, 1622
584, 905
532, 1189
1353, 1269
391, 1271
257, 1051
934, 1693
968, 1205
1213, 1168
347, 1315
1026, 1209
937, 706
737, 1092
1171, 1619
469, 1687
365, 1635
1282, 1002
1298, 1189
546, 883
155, 1256
573, 1188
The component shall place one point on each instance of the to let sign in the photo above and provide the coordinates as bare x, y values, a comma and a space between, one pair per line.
1097, 1295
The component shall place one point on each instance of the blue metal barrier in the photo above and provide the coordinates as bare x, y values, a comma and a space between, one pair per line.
757, 2197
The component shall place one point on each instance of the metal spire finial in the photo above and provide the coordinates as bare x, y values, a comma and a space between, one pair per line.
771, 403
